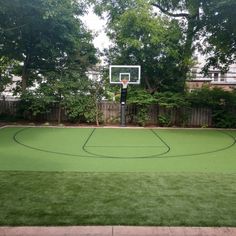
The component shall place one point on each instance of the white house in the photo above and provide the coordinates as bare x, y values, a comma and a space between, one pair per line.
214, 78
7, 94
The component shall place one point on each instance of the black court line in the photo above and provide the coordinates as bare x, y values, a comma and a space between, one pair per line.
89, 137
119, 157
171, 156
42, 150
103, 156
209, 152
158, 136
88, 146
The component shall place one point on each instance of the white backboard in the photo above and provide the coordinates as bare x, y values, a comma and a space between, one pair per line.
117, 73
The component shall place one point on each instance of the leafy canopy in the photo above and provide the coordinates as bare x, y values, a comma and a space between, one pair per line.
209, 25
44, 33
139, 37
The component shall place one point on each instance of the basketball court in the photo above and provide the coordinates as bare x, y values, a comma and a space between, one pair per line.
117, 149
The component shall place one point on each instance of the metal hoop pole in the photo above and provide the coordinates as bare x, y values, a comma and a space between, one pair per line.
123, 95
122, 115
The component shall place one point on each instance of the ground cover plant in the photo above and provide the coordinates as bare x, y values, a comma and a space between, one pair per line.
65, 176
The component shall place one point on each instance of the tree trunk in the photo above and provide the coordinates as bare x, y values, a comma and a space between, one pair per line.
192, 15
148, 85
59, 114
192, 29
25, 74
188, 49
24, 80
97, 114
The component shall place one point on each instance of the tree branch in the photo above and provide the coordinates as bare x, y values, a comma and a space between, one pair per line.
13, 28
165, 11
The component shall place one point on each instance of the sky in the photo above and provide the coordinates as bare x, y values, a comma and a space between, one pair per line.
97, 25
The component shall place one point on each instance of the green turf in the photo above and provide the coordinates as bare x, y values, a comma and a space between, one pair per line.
56, 176
117, 150
75, 198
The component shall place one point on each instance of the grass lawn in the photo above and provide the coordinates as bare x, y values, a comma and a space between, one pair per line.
47, 198
70, 177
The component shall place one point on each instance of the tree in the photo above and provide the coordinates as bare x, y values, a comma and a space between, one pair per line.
221, 34
207, 25
68, 89
83, 105
139, 37
65, 87
211, 20
42, 33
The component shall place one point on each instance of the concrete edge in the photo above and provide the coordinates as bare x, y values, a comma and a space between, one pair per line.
110, 126
117, 231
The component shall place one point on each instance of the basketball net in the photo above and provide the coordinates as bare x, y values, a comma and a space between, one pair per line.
124, 83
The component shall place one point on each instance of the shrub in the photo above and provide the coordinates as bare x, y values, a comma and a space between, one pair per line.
164, 120
142, 116
222, 103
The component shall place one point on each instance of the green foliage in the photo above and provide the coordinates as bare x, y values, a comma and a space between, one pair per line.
54, 49
171, 100
211, 20
42, 35
113, 9
164, 120
141, 38
224, 119
68, 90
142, 116
83, 108
140, 97
222, 103
215, 97
164, 46
219, 20
75, 108
167, 101
34, 103
80, 108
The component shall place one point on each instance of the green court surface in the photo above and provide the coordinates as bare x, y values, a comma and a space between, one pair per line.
117, 176
117, 149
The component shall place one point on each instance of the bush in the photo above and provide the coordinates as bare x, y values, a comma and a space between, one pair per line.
142, 99
142, 116
224, 119
171, 100
164, 120
82, 108
222, 103
34, 103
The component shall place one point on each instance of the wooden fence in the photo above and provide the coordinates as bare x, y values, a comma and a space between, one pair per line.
194, 117
9, 107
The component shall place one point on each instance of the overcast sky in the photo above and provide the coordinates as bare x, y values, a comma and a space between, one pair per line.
97, 25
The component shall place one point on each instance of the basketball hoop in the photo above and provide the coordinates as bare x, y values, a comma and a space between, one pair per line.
132, 73
124, 75
124, 83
